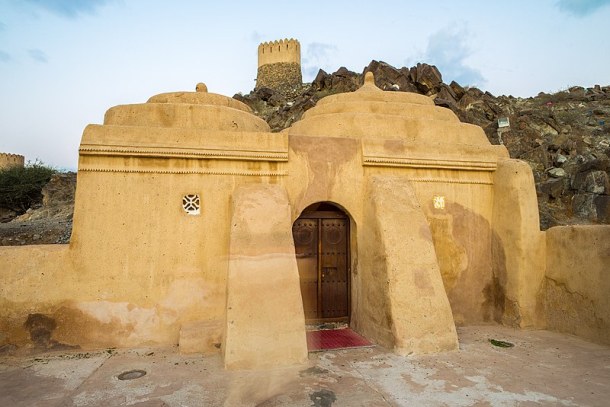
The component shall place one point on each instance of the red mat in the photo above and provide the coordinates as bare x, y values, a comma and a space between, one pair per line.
335, 339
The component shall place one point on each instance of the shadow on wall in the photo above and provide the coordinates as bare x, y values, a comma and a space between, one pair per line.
472, 262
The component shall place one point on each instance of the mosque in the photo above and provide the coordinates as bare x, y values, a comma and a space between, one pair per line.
195, 225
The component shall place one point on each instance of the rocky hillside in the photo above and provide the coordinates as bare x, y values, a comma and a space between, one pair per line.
565, 137
46, 222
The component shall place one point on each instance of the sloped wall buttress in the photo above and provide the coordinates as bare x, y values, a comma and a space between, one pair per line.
265, 324
403, 271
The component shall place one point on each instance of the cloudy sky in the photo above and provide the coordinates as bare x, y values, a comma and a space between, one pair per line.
63, 63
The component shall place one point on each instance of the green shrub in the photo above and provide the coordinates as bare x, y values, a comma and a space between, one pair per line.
21, 187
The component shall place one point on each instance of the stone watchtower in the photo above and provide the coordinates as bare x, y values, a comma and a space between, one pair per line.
279, 64
11, 160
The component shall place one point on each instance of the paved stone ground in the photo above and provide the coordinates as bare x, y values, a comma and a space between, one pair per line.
543, 368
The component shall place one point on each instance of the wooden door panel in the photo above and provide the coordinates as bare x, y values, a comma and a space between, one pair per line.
322, 252
334, 268
305, 233
309, 291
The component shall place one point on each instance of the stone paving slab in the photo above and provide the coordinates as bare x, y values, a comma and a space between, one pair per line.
543, 368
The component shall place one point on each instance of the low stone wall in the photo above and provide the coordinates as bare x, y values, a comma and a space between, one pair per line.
575, 293
279, 75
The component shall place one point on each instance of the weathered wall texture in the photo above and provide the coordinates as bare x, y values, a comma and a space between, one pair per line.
32, 283
576, 287
461, 233
518, 245
11, 160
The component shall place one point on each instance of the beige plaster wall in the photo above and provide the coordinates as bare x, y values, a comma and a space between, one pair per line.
35, 279
461, 232
138, 269
325, 169
43, 284
518, 245
154, 256
265, 323
576, 288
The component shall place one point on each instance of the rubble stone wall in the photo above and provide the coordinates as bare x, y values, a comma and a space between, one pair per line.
279, 75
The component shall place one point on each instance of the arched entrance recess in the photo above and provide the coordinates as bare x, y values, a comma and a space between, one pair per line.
322, 246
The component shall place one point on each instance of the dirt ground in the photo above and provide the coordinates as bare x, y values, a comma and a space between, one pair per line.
543, 368
39, 231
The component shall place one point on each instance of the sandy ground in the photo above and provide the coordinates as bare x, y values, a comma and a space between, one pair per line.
543, 368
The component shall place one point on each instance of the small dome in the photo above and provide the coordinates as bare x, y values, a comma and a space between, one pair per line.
200, 110
372, 113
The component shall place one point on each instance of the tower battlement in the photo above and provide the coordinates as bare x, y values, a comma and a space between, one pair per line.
273, 52
279, 64
11, 160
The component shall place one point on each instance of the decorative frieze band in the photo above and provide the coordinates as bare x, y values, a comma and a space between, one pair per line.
452, 181
183, 171
239, 155
467, 165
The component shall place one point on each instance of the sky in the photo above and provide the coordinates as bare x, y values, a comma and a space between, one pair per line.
63, 63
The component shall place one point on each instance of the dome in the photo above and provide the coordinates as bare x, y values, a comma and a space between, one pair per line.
195, 110
372, 113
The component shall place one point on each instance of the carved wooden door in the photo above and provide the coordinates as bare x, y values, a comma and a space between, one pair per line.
322, 250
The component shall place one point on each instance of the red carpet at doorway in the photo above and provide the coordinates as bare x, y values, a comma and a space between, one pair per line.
334, 339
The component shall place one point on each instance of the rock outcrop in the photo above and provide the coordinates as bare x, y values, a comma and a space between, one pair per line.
48, 222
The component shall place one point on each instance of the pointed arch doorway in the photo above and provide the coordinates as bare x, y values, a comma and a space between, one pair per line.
322, 246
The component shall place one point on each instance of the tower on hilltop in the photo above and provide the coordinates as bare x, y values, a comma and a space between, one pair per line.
279, 64
11, 160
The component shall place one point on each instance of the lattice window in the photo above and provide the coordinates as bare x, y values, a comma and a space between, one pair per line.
439, 202
191, 204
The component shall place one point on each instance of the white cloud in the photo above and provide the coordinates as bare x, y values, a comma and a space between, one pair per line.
448, 49
256, 37
4, 56
581, 8
317, 56
38, 55
69, 8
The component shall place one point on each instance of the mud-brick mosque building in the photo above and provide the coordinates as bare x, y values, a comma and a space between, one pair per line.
196, 226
